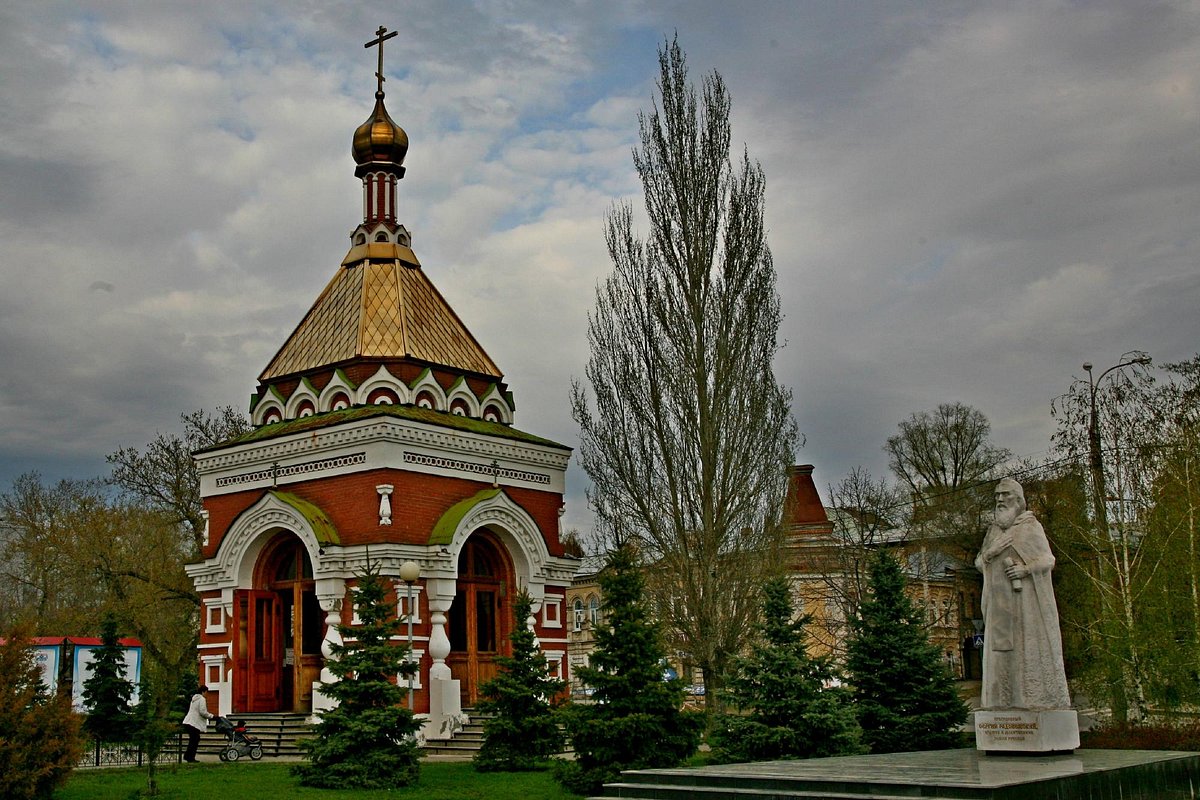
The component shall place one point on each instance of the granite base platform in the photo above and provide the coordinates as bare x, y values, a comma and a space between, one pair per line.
959, 774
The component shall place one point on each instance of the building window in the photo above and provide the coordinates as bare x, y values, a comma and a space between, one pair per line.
578, 607
594, 610
550, 615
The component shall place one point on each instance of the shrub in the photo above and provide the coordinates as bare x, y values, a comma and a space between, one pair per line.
39, 733
1143, 736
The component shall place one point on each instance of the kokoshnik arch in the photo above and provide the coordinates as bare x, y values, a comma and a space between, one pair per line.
383, 434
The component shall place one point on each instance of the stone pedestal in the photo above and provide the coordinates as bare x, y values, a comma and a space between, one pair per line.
445, 709
1020, 730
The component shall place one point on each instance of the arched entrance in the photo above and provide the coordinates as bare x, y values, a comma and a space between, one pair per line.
280, 626
480, 618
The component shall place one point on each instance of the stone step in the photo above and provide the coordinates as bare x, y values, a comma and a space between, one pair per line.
657, 791
951, 774
278, 732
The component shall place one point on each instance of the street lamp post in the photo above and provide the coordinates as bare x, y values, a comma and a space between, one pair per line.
1100, 510
1096, 458
410, 571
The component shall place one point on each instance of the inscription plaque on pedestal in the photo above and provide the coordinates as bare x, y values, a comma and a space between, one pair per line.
1022, 730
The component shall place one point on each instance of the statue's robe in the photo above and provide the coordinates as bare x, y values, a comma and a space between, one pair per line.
1022, 643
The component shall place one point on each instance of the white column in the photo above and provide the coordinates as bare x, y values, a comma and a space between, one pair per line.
445, 703
330, 593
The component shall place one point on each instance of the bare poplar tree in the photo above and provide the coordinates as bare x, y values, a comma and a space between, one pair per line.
690, 436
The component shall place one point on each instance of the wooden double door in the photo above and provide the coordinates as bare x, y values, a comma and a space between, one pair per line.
279, 632
480, 619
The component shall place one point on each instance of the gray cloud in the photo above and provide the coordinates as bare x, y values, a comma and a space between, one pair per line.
966, 202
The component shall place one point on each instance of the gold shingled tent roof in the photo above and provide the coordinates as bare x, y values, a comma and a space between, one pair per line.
380, 309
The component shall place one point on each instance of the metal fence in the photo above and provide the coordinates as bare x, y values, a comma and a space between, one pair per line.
108, 754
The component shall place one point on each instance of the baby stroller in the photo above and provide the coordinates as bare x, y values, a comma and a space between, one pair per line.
238, 742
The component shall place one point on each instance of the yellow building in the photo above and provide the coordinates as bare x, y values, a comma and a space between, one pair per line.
828, 555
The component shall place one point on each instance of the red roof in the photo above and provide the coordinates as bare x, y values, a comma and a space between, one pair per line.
804, 505
87, 641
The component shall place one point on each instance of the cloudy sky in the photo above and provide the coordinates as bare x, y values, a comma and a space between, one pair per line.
966, 201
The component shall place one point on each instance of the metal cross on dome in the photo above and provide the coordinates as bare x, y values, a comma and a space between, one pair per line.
381, 36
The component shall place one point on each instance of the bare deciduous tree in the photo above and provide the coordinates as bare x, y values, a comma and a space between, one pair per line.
943, 457
863, 510
690, 436
163, 475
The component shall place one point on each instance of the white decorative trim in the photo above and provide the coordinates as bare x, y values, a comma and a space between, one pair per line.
382, 379
266, 405
204, 536
414, 657
402, 600
494, 396
233, 564
558, 658
377, 438
554, 620
275, 472
475, 468
303, 392
214, 615
385, 503
519, 534
460, 391
336, 384
427, 383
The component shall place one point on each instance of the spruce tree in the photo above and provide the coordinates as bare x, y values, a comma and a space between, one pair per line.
367, 741
524, 730
107, 692
904, 696
793, 709
635, 720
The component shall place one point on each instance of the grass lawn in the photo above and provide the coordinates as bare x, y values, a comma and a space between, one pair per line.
266, 781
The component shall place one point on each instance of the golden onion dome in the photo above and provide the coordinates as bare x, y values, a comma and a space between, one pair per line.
379, 138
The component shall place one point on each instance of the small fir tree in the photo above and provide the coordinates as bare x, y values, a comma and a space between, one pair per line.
107, 692
635, 720
524, 730
904, 696
367, 741
794, 708
40, 740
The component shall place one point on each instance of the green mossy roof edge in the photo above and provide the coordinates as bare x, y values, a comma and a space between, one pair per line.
322, 527
443, 530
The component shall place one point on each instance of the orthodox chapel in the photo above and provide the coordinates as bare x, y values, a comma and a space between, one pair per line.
383, 435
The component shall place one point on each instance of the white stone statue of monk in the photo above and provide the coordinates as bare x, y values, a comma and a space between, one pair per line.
1022, 645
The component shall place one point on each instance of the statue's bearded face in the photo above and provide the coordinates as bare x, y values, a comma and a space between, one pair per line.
1009, 505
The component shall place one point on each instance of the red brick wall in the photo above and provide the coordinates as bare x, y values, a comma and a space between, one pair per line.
418, 501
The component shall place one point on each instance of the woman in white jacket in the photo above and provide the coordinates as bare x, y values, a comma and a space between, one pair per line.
195, 722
